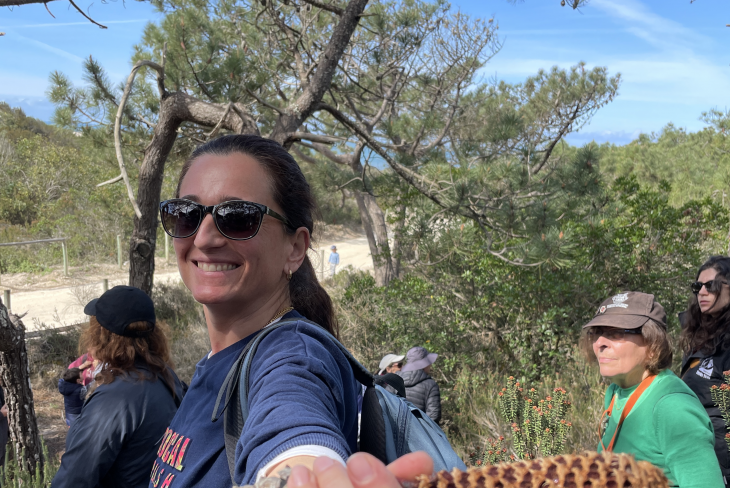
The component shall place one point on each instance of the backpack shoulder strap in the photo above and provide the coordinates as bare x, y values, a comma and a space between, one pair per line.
235, 386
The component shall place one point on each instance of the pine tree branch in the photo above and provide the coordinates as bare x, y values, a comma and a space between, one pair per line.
82, 13
118, 127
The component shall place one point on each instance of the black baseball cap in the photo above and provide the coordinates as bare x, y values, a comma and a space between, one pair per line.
121, 306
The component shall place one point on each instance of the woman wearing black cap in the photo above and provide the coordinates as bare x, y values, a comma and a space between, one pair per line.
705, 342
649, 411
114, 441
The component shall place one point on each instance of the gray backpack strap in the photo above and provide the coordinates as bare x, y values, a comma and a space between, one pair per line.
235, 386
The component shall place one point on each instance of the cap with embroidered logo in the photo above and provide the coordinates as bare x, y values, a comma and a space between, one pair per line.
629, 310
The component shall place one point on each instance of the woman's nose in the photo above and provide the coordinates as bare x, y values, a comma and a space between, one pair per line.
208, 234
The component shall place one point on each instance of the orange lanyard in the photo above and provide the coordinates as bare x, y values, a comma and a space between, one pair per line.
627, 409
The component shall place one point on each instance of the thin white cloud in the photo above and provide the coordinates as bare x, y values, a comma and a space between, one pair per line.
49, 48
64, 24
658, 31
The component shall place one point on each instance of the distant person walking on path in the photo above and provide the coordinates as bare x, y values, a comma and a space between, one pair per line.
391, 363
421, 389
334, 260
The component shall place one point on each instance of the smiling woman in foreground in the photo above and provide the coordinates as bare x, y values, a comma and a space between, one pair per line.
649, 411
242, 222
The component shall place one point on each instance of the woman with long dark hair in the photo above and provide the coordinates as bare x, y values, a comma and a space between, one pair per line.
242, 220
135, 394
705, 342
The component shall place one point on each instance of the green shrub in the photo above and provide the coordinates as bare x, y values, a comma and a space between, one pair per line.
14, 477
539, 426
189, 342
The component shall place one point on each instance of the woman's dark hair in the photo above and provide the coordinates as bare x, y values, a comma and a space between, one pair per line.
703, 332
72, 375
118, 354
294, 197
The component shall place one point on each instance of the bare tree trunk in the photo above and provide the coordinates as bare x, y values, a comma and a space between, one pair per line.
15, 374
373, 221
398, 239
144, 237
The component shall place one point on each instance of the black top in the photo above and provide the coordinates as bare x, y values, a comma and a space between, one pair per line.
700, 372
114, 441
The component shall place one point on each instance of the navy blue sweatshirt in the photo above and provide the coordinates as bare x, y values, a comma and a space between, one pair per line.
72, 399
302, 392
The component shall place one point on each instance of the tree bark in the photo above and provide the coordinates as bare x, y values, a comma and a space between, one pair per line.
306, 103
373, 221
15, 374
398, 240
143, 242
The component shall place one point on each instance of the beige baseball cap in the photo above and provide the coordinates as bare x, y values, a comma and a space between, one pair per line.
629, 310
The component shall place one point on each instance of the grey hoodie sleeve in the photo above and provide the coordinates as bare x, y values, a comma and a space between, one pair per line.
433, 402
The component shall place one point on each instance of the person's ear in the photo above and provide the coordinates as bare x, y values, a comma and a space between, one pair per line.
299, 245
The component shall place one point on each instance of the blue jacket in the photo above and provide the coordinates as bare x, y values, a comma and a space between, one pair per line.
302, 391
72, 396
114, 441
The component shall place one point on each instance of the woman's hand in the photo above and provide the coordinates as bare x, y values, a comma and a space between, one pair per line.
363, 471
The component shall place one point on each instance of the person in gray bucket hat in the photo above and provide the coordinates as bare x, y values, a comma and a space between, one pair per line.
421, 389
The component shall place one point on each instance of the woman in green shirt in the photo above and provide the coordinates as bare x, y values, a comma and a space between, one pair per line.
649, 411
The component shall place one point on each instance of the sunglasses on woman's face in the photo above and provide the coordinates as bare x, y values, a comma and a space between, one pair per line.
611, 333
712, 286
238, 220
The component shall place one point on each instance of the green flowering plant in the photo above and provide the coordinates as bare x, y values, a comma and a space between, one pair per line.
493, 452
539, 425
721, 398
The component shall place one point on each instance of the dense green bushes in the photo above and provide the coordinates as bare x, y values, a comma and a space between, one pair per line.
489, 319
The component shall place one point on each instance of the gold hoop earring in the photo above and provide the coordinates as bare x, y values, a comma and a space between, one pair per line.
288, 277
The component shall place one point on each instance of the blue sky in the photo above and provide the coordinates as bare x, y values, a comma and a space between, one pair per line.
673, 56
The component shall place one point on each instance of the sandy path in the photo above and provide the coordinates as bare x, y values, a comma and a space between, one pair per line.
57, 306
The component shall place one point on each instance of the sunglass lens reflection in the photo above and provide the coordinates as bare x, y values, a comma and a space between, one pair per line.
238, 220
180, 218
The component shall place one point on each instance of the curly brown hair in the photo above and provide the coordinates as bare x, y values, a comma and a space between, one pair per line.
118, 354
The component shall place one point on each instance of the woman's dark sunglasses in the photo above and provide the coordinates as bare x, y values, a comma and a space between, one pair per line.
238, 220
611, 333
712, 286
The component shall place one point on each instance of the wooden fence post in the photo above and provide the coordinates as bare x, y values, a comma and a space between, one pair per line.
65, 257
6, 299
119, 250
105, 285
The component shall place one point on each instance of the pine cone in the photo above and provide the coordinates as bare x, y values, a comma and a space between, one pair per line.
587, 470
